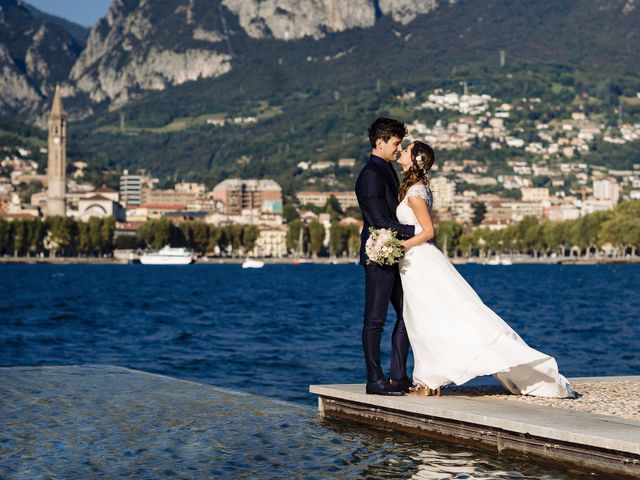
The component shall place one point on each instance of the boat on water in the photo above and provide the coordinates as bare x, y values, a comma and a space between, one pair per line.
251, 263
168, 256
497, 260
300, 261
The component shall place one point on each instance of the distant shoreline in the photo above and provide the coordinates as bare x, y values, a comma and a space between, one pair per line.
317, 261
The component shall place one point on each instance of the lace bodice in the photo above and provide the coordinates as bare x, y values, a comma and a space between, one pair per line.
405, 213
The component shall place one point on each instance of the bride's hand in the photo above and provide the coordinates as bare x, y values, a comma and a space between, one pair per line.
404, 247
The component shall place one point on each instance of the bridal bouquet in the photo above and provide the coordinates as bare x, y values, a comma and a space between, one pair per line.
383, 247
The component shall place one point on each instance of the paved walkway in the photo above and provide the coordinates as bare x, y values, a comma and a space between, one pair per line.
617, 396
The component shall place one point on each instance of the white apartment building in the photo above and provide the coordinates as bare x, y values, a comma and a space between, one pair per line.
607, 189
272, 242
538, 195
443, 191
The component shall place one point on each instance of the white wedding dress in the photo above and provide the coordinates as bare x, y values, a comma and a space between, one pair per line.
454, 335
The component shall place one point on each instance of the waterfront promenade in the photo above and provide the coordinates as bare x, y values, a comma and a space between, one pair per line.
518, 259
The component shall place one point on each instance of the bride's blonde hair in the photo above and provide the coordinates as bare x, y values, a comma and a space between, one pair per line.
422, 159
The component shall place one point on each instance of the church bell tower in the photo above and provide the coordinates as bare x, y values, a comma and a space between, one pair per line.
57, 165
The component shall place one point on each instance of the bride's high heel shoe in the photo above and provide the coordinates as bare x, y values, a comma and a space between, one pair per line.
421, 390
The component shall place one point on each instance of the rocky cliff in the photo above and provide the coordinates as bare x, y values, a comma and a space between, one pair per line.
130, 50
294, 19
35, 54
141, 45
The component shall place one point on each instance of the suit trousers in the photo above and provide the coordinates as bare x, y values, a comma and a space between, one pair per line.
382, 284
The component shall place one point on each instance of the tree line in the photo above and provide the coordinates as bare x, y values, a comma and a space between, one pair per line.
68, 237
584, 236
309, 239
57, 236
196, 235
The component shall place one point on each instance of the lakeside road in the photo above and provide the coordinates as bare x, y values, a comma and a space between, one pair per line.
519, 260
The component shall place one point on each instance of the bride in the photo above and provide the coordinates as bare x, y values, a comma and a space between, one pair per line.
454, 335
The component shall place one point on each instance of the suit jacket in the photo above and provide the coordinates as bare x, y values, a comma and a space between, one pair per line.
377, 193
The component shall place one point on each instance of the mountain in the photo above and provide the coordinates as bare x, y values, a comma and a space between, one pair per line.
78, 32
141, 46
36, 52
305, 76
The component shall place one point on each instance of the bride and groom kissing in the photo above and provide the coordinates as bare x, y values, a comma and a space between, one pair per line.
453, 335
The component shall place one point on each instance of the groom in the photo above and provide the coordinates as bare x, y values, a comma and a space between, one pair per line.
377, 192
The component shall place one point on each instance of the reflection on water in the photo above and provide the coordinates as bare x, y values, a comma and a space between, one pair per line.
394, 455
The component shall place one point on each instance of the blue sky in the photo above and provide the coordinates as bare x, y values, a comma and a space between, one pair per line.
84, 12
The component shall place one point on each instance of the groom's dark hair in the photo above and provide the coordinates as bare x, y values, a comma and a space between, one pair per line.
385, 128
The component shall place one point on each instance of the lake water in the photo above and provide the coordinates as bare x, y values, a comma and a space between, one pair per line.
274, 331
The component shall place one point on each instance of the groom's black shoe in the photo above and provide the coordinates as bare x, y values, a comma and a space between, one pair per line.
382, 388
401, 385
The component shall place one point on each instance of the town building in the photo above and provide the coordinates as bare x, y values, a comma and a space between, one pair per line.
607, 190
131, 189
99, 206
531, 194
461, 210
181, 216
346, 199
169, 196
271, 242
593, 205
198, 189
322, 165
152, 211
347, 162
259, 196
443, 191
562, 212
506, 212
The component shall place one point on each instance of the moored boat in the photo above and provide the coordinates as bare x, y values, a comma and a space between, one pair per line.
300, 261
251, 263
168, 256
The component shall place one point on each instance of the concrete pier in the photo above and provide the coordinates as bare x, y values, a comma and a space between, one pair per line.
552, 430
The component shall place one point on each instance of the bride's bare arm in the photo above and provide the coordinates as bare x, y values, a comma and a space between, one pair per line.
421, 211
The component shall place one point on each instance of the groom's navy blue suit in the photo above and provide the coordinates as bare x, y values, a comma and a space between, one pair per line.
377, 192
